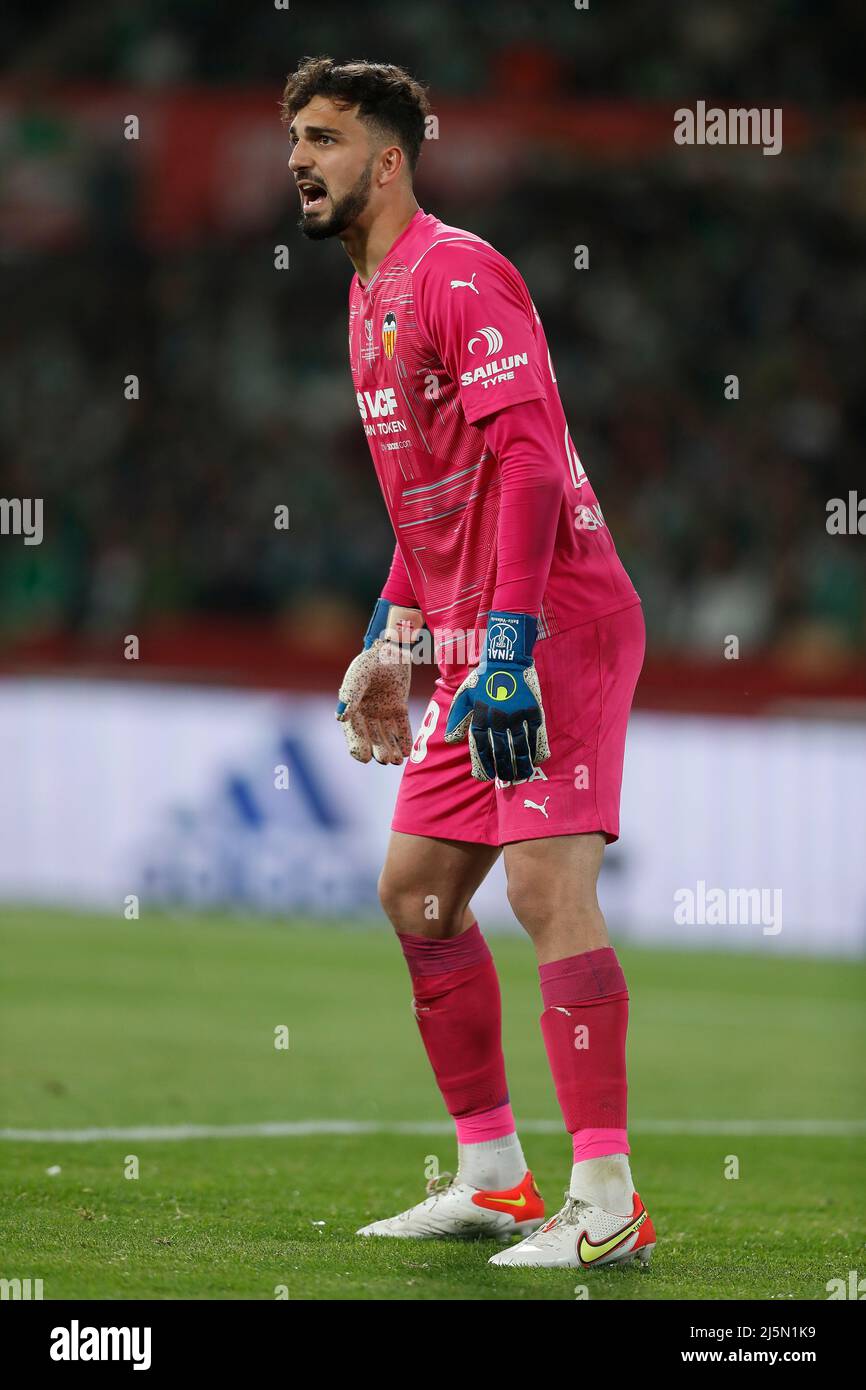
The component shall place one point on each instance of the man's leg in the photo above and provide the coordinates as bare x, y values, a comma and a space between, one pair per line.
552, 891
554, 830
445, 840
425, 889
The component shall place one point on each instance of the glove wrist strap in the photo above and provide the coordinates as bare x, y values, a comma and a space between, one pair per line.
378, 622
509, 639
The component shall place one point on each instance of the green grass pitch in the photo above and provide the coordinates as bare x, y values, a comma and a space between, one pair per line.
170, 1021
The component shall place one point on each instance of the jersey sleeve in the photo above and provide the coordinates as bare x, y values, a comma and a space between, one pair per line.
398, 586
532, 481
475, 310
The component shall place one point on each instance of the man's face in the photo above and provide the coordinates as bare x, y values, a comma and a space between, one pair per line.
332, 165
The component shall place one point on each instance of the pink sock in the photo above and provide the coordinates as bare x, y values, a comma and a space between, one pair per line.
584, 1027
457, 1005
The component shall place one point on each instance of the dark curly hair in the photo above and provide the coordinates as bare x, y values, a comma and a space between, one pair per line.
390, 101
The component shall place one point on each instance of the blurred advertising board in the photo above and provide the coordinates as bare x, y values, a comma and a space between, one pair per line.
736, 833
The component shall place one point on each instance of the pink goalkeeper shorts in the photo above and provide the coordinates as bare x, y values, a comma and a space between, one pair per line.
588, 677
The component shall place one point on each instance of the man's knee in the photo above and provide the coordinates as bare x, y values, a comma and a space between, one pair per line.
529, 896
554, 880
539, 899
410, 908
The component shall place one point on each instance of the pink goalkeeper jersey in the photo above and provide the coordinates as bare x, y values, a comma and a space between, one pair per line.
442, 336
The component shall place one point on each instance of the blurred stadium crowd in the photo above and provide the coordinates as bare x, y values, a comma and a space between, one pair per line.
763, 50
163, 507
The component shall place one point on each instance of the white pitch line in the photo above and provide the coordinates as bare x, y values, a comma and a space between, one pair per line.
299, 1129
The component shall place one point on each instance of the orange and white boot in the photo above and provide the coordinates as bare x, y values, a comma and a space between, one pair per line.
583, 1236
454, 1209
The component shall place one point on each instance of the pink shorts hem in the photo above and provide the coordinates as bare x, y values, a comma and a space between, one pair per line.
609, 835
436, 830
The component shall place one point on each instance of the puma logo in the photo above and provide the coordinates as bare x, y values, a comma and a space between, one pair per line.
465, 284
534, 806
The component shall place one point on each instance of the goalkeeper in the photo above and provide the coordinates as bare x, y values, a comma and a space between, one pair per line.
501, 544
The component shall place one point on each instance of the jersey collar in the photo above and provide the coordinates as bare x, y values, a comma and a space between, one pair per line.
410, 227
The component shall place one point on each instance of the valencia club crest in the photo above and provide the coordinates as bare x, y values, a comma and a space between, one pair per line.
389, 333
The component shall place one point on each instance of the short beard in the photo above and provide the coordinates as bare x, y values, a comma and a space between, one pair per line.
344, 212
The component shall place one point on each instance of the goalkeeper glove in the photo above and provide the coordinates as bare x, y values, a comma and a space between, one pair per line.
374, 695
499, 704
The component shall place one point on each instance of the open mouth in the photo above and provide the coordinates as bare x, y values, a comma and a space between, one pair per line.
313, 195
